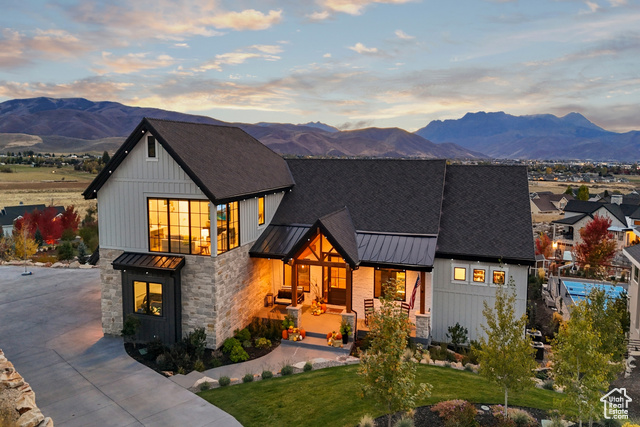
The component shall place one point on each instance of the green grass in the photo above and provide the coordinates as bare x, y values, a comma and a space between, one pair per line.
25, 173
330, 396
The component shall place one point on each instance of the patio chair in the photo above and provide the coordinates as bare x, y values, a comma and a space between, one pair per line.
405, 307
368, 310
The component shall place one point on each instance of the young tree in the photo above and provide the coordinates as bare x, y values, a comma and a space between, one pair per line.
597, 247
387, 377
544, 246
607, 317
105, 158
25, 244
569, 190
580, 366
583, 193
505, 354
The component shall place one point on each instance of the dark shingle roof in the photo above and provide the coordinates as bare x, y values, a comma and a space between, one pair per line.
485, 213
633, 252
338, 228
586, 207
582, 206
570, 220
385, 195
225, 162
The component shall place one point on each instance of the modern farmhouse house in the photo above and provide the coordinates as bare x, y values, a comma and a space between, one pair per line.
199, 223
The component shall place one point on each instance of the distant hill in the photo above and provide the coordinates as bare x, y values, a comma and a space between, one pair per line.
546, 136
80, 125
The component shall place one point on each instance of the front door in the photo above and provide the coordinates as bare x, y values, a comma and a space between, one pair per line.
335, 282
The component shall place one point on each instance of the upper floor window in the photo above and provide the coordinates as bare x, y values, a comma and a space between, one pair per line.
635, 275
260, 210
460, 273
479, 275
498, 277
383, 276
179, 226
151, 147
228, 227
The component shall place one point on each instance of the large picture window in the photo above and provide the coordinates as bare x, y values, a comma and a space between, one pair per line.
147, 298
382, 276
304, 276
228, 227
179, 226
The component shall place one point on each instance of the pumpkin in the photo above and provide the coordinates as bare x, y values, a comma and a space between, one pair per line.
338, 336
329, 335
323, 307
303, 333
285, 334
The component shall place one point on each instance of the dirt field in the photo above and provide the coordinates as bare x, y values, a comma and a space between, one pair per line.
560, 187
39, 186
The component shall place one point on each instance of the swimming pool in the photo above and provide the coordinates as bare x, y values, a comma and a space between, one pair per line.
580, 290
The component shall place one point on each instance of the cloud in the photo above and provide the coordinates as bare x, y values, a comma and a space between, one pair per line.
17, 49
354, 7
319, 16
360, 124
403, 36
593, 7
131, 63
265, 52
326, 55
184, 45
362, 49
95, 88
249, 19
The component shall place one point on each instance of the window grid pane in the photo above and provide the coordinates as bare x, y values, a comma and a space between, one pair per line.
459, 273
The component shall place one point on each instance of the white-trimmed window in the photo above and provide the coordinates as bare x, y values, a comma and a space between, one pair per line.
261, 210
499, 276
152, 148
459, 273
479, 275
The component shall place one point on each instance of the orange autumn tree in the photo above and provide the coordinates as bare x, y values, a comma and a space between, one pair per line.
597, 247
544, 246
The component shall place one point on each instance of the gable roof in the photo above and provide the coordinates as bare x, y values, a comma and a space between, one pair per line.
382, 195
486, 214
585, 207
10, 213
633, 253
569, 220
224, 161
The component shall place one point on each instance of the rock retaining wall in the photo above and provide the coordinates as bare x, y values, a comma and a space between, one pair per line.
17, 400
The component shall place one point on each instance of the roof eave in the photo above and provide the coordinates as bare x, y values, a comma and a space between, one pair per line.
485, 258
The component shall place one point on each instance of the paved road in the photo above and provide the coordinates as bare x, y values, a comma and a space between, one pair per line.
50, 330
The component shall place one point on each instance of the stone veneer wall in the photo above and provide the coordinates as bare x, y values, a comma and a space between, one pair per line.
198, 279
111, 287
17, 399
241, 285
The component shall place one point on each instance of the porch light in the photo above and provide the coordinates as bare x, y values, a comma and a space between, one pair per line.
555, 245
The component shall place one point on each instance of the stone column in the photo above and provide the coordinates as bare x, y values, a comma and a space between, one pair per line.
296, 313
423, 326
351, 319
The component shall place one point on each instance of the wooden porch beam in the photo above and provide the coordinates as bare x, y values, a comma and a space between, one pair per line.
294, 284
422, 291
322, 264
349, 295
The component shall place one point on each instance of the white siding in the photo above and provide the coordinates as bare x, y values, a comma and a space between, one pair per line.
249, 228
122, 201
463, 302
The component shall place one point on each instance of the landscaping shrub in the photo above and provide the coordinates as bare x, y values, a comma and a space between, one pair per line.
154, 349
542, 374
68, 235
456, 413
404, 422
610, 422
286, 370
247, 378
266, 375
501, 421
548, 385
83, 253
468, 367
163, 363
199, 365
258, 328
195, 342
130, 326
242, 335
229, 344
65, 251
366, 421
307, 367
224, 381
238, 354
246, 344
522, 418
263, 343
205, 386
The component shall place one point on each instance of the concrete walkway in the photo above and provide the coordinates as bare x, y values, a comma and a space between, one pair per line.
50, 330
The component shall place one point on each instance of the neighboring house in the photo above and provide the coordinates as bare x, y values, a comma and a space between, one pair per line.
633, 254
625, 222
546, 202
198, 223
10, 214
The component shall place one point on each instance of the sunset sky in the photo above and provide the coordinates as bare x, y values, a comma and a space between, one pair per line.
347, 63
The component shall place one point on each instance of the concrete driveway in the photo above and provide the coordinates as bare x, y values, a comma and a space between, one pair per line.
50, 330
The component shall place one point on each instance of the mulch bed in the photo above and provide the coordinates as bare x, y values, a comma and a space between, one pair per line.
424, 417
208, 358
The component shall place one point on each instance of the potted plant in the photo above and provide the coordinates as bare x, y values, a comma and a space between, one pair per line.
287, 323
345, 330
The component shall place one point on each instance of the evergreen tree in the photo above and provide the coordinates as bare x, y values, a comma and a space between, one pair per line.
583, 193
505, 354
105, 158
38, 237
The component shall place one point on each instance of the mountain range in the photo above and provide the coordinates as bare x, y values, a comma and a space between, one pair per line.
79, 125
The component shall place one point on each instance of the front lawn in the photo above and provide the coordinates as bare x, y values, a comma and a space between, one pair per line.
330, 396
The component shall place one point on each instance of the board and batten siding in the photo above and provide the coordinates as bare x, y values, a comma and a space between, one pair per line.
122, 201
249, 228
463, 302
